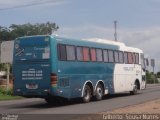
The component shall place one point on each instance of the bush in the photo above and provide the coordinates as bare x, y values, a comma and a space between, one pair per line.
3, 91
150, 78
151, 81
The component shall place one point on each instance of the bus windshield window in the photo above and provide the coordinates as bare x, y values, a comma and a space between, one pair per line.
142, 61
32, 49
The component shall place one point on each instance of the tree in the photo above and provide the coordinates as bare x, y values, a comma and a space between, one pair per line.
4, 33
158, 74
28, 29
2, 67
151, 78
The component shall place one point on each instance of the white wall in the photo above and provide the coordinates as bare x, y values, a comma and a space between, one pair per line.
6, 55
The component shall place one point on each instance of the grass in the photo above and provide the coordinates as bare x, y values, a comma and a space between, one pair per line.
7, 94
9, 97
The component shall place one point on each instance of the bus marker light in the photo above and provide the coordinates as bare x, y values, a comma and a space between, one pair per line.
47, 90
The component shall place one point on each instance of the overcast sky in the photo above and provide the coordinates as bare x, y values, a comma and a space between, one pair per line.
138, 20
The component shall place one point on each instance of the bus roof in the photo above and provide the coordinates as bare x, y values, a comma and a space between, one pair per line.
105, 41
120, 45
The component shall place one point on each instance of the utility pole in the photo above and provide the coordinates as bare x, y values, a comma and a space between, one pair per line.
115, 30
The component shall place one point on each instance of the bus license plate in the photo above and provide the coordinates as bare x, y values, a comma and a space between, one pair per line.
31, 86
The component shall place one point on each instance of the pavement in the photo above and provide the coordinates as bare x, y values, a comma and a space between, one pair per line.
37, 107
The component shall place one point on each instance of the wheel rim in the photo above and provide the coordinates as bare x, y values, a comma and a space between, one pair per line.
99, 92
86, 94
135, 89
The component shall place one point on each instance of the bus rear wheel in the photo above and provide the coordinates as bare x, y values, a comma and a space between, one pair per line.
86, 94
135, 89
99, 92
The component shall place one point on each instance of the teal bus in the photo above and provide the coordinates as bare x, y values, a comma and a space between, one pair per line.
52, 67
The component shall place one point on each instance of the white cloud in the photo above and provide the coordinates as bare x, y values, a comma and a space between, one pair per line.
86, 32
147, 39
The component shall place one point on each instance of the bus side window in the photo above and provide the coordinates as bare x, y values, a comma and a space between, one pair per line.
125, 57
70, 52
116, 57
137, 58
105, 55
93, 54
111, 55
62, 52
86, 54
121, 58
99, 55
79, 53
130, 58
134, 58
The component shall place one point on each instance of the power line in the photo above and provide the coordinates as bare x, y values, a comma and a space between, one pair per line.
32, 3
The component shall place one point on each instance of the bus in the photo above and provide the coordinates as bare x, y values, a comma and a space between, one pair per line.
52, 67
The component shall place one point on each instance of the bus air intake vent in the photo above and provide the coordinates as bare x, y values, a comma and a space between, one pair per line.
64, 82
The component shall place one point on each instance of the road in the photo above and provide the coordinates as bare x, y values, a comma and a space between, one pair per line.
39, 106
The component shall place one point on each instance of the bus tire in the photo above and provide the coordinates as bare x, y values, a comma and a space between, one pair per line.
135, 89
99, 92
86, 94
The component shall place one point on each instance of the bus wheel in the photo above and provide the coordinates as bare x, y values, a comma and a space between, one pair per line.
99, 92
135, 89
86, 94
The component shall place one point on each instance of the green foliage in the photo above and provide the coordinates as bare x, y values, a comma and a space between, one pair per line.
158, 74
9, 97
28, 29
150, 78
3, 91
3, 67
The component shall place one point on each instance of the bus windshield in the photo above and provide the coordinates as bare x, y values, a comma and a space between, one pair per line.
143, 61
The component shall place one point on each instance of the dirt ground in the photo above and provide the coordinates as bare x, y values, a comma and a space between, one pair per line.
150, 107
146, 111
